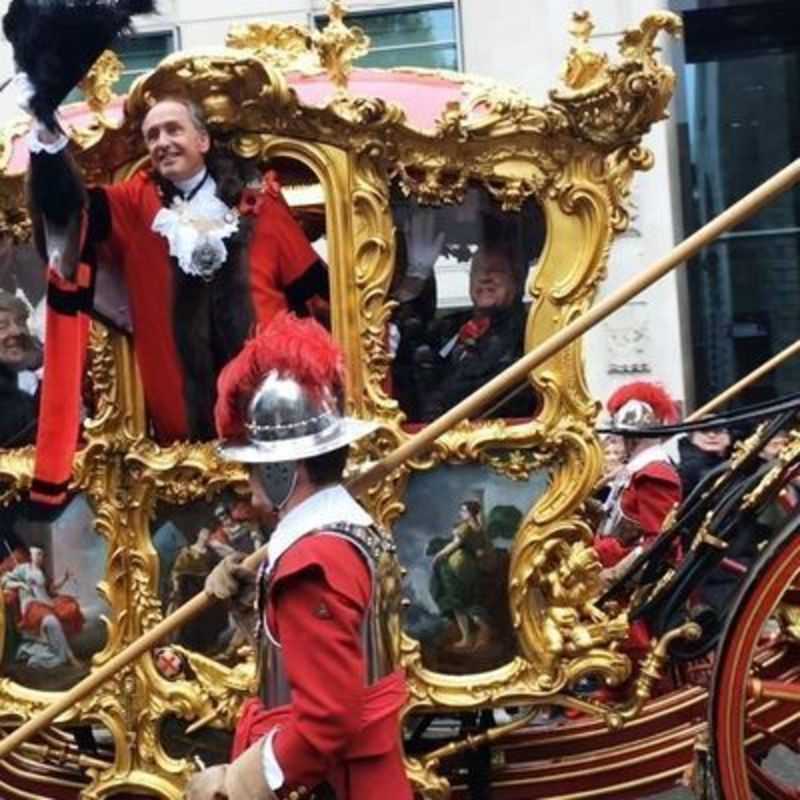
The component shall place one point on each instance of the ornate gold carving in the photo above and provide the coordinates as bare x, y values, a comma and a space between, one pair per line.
594, 101
234, 89
286, 47
650, 673
290, 47
771, 483
584, 67
339, 45
100, 80
568, 575
9, 132
98, 88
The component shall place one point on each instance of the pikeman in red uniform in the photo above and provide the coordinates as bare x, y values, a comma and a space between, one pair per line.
646, 487
326, 724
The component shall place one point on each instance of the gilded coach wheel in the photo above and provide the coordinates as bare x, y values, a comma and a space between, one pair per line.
429, 194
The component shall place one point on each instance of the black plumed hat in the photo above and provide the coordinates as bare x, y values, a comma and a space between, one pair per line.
56, 42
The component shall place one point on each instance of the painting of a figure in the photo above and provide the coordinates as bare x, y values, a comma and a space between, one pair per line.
190, 541
50, 604
454, 541
46, 616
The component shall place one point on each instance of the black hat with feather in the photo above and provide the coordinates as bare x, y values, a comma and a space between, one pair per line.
56, 42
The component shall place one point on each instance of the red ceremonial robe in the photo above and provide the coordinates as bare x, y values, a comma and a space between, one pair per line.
170, 312
336, 728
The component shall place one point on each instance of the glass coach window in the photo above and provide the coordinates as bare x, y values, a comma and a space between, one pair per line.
421, 37
459, 287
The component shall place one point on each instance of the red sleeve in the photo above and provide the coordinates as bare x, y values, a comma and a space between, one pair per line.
125, 205
651, 495
610, 550
319, 628
279, 255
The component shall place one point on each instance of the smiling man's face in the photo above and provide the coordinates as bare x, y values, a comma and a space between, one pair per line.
492, 282
176, 145
15, 340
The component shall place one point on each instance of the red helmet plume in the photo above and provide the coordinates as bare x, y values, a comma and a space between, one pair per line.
661, 406
300, 348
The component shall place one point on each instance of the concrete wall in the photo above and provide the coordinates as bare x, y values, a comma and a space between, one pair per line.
525, 46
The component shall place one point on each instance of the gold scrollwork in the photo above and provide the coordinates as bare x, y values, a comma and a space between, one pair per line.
286, 47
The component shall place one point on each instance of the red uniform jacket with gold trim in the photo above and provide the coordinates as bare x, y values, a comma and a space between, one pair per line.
650, 495
185, 329
336, 729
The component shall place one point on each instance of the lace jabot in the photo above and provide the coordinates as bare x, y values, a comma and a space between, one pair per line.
196, 230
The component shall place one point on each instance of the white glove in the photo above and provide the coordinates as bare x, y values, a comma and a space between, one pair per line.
24, 91
393, 339
41, 138
423, 244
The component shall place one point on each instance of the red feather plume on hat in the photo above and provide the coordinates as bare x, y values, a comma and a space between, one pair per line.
301, 348
655, 396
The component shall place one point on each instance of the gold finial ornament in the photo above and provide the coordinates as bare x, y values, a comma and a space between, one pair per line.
584, 66
338, 45
286, 47
100, 80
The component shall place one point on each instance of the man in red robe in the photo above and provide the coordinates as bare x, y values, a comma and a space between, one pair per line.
205, 248
326, 724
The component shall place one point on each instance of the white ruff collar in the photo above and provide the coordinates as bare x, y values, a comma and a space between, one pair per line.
325, 507
196, 230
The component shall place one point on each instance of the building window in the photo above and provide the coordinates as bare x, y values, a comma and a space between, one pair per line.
139, 53
419, 37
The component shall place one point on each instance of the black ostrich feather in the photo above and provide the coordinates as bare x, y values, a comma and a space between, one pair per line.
56, 42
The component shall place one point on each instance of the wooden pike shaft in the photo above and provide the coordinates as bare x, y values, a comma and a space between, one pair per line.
422, 441
748, 380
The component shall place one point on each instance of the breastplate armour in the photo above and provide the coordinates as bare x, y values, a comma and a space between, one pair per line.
380, 631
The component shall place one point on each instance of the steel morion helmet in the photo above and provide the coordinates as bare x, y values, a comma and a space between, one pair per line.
641, 404
281, 398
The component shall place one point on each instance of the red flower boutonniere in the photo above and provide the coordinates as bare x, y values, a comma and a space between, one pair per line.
473, 329
251, 201
253, 196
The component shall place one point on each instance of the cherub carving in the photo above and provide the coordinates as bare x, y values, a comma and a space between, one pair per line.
568, 575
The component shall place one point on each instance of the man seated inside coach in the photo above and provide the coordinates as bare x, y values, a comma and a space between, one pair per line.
464, 351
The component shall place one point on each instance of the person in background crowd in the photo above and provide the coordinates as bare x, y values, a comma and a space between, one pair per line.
20, 359
699, 453
647, 487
